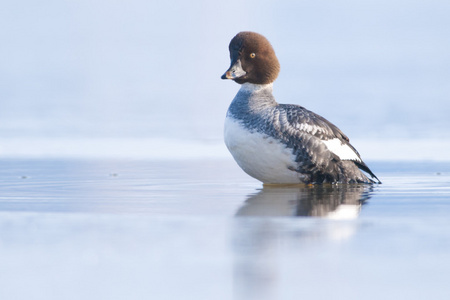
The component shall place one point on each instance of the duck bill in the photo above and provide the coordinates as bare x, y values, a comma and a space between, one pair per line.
235, 71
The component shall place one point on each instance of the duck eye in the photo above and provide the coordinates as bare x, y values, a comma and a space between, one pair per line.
252, 55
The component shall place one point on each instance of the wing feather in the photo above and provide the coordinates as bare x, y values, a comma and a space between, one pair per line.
319, 139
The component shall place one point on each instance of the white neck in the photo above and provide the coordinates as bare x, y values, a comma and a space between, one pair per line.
252, 87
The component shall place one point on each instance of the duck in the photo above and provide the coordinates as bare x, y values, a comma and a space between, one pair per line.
282, 143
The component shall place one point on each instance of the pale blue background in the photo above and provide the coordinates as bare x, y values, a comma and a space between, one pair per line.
151, 69
89, 77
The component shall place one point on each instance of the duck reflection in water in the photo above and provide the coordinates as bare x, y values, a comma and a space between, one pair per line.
334, 201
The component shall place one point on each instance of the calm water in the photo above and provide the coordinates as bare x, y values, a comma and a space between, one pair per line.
140, 79
92, 229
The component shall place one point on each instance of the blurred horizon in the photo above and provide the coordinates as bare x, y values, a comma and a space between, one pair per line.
110, 69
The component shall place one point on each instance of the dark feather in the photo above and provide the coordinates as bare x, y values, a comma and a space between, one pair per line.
323, 130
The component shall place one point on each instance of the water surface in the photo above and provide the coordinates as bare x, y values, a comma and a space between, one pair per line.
96, 229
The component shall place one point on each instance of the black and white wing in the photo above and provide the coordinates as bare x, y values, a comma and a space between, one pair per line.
320, 140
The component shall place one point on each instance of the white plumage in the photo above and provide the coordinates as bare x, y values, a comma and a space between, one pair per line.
260, 155
343, 151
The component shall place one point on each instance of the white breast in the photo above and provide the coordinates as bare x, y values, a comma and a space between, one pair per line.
260, 155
